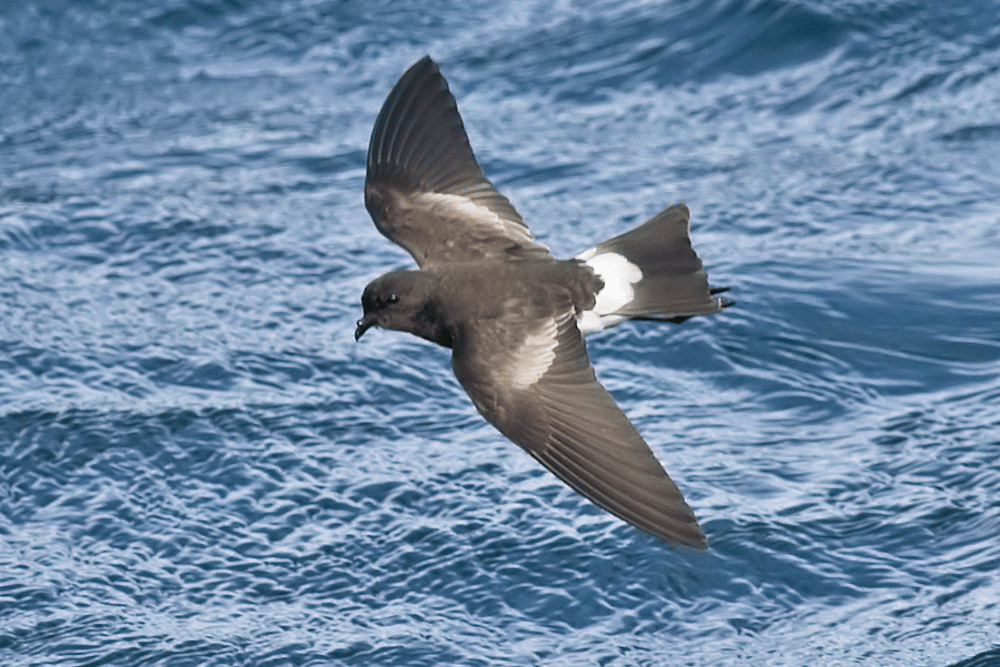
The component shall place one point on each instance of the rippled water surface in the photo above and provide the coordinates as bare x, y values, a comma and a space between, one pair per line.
198, 465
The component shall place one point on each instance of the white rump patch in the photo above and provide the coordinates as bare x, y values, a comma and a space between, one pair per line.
535, 355
618, 275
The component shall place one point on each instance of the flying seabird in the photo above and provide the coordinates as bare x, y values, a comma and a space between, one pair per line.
513, 315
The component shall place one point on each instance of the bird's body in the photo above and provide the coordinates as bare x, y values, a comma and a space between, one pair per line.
514, 316
498, 292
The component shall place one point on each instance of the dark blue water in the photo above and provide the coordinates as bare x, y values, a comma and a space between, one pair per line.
198, 466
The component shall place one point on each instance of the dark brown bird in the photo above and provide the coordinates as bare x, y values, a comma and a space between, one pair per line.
514, 316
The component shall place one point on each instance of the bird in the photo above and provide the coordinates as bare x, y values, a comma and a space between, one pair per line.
514, 316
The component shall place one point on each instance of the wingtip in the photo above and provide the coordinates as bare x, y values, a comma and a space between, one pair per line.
690, 534
701, 543
425, 63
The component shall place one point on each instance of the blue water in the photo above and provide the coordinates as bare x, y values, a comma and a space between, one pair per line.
198, 465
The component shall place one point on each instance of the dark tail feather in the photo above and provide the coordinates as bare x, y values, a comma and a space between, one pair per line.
673, 284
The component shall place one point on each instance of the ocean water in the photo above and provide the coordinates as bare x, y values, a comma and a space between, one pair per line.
199, 466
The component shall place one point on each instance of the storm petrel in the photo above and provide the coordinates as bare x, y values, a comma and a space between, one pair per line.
514, 316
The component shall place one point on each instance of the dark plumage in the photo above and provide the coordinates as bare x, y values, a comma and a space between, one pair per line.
514, 316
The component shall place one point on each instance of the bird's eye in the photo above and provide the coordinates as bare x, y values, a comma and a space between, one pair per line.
392, 299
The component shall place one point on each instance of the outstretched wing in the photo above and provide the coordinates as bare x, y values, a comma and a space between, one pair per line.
424, 188
545, 397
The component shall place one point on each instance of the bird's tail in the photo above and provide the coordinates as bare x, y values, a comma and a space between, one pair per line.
650, 273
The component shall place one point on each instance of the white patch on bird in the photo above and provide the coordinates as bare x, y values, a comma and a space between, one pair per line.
455, 206
590, 322
535, 355
619, 275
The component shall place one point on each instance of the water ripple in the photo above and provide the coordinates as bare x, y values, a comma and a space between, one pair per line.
198, 465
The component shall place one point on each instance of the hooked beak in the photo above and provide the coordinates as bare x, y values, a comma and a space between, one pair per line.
364, 324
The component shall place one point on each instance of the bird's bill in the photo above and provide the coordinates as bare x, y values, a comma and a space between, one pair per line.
364, 324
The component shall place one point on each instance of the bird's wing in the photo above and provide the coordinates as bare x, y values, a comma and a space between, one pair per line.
544, 396
424, 188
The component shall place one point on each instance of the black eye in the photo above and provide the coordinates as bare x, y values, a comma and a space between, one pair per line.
392, 299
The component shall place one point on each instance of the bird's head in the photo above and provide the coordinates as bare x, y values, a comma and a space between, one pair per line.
402, 301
